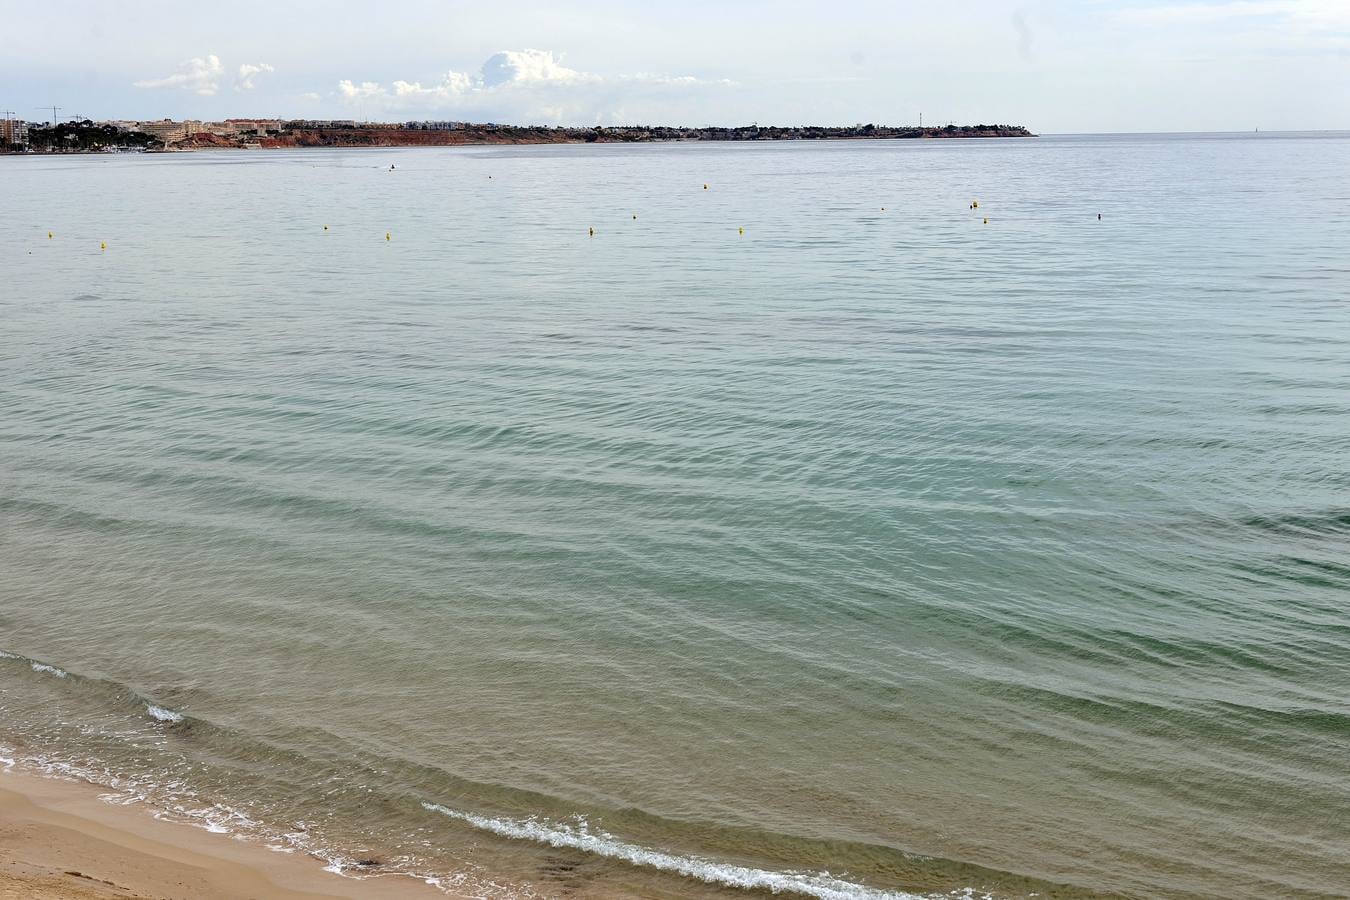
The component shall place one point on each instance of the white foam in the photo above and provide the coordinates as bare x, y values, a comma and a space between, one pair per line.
162, 714
822, 885
50, 670
5, 654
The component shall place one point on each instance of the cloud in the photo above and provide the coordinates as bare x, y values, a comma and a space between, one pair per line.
451, 84
201, 75
248, 72
674, 80
362, 91
502, 70
528, 67
526, 84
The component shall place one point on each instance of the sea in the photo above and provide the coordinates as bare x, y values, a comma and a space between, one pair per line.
857, 519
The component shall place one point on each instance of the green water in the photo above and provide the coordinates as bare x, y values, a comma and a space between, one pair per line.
866, 553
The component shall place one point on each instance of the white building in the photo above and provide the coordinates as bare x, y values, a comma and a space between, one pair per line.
166, 130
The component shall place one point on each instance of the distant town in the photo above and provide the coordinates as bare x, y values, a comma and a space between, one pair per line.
88, 136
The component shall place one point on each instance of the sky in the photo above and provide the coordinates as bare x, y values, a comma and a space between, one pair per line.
1056, 66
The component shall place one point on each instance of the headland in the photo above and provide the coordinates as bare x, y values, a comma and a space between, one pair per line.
87, 136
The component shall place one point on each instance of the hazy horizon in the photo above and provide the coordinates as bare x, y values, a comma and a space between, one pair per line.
1111, 66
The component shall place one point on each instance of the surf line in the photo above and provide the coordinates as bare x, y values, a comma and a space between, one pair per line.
821, 885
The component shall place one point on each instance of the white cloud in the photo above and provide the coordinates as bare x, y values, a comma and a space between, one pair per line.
363, 91
675, 80
201, 75
527, 84
248, 72
528, 67
502, 70
451, 84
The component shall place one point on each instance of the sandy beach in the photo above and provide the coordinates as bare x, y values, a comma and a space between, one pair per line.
59, 840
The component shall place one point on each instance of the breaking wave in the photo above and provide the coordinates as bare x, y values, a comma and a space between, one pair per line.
162, 714
822, 885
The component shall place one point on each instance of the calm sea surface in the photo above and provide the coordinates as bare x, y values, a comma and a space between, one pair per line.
875, 551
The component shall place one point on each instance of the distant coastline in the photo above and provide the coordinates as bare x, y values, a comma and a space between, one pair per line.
365, 135
88, 136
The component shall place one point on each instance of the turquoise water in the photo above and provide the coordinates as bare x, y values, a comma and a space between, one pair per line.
870, 552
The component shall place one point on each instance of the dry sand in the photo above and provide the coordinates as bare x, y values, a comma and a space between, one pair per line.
59, 840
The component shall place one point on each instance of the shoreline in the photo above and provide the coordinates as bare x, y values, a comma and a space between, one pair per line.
91, 137
377, 145
58, 839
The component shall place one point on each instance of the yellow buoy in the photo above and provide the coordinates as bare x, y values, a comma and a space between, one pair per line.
740, 230
103, 245
986, 220
49, 235
705, 187
592, 231
974, 204
388, 236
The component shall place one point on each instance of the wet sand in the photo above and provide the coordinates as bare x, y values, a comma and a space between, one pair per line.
59, 840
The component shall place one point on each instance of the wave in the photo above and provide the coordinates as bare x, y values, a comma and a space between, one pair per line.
185, 807
162, 714
36, 665
157, 712
1316, 522
173, 792
822, 885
